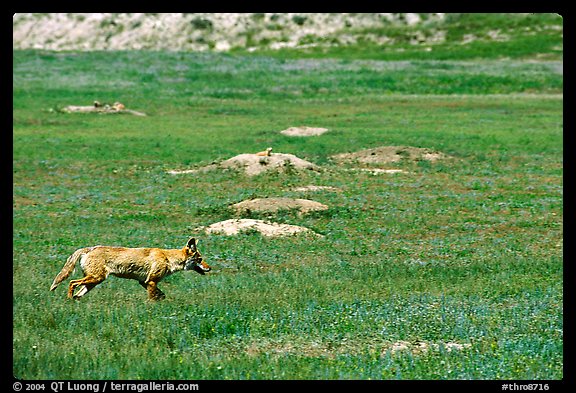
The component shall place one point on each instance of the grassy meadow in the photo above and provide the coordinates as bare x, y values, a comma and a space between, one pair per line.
459, 261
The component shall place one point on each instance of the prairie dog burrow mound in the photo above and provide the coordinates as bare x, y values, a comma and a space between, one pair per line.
390, 154
101, 108
253, 164
265, 228
273, 205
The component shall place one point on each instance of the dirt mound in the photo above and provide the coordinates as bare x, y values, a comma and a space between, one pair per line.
273, 205
100, 108
253, 164
269, 229
390, 154
303, 131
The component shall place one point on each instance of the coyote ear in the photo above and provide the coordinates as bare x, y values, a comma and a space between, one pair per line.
192, 243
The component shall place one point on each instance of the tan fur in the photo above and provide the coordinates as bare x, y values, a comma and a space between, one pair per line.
146, 265
118, 106
265, 153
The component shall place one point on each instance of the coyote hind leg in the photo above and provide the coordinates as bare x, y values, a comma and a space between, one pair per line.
84, 289
87, 283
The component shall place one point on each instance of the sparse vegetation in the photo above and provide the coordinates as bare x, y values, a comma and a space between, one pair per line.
338, 35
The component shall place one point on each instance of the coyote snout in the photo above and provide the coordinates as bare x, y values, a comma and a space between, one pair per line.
198, 265
146, 265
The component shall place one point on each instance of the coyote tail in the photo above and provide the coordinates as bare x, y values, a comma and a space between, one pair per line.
69, 266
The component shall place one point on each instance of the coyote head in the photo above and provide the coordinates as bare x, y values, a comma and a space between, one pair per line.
194, 259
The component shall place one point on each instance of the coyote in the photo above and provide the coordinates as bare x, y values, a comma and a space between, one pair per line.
147, 265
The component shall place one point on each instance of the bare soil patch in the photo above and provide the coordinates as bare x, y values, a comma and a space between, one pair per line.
304, 131
423, 347
303, 347
313, 188
390, 154
273, 205
182, 172
269, 229
205, 31
378, 171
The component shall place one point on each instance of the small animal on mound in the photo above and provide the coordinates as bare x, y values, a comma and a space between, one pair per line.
117, 106
265, 153
147, 265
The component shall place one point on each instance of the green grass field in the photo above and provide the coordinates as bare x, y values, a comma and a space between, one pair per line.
464, 251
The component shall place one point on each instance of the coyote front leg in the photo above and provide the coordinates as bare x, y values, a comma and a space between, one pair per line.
154, 293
